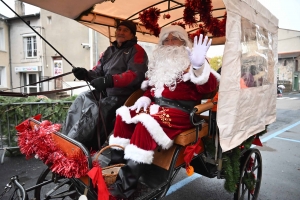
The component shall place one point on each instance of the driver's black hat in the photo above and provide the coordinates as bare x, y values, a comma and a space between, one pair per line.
129, 24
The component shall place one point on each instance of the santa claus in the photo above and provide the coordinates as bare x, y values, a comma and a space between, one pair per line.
177, 77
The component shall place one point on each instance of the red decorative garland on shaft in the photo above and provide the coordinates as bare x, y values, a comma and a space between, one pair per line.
37, 141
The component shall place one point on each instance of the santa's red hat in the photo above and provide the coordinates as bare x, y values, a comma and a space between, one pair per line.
178, 30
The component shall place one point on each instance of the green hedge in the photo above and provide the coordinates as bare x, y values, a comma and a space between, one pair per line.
14, 110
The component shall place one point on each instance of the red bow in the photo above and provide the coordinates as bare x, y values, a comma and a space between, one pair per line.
191, 150
257, 141
96, 175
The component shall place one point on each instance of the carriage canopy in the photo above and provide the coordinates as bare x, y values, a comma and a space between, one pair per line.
247, 91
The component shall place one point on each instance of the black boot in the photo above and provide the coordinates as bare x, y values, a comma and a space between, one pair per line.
127, 180
116, 157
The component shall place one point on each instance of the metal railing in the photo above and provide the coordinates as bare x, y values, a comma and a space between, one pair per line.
15, 113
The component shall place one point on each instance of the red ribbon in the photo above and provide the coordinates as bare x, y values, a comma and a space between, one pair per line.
257, 141
191, 150
96, 175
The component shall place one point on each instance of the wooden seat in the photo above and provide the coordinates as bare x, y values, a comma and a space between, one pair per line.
163, 158
187, 137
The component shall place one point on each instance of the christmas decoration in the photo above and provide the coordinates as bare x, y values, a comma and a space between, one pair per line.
194, 10
97, 179
149, 18
166, 16
231, 163
189, 153
39, 141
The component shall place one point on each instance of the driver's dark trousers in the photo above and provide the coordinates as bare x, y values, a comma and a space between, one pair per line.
127, 179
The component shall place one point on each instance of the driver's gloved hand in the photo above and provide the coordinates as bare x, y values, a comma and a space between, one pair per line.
103, 82
80, 73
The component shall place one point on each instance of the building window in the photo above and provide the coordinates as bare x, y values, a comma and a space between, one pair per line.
49, 19
2, 77
30, 47
2, 40
296, 66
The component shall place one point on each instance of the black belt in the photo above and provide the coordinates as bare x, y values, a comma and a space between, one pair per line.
186, 106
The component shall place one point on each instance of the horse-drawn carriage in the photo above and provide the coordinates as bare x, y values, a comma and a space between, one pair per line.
220, 144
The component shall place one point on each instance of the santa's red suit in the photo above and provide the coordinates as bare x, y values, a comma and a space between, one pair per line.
140, 133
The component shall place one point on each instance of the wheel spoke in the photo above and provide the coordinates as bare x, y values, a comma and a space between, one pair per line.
254, 168
244, 190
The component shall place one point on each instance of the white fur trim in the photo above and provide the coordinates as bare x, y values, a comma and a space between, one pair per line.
139, 155
216, 74
154, 109
158, 92
124, 112
174, 28
145, 85
186, 77
154, 129
151, 125
145, 100
119, 141
203, 74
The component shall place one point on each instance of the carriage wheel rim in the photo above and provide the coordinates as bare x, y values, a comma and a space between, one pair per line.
242, 191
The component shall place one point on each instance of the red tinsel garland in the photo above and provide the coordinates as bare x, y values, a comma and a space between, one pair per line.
38, 142
203, 8
149, 18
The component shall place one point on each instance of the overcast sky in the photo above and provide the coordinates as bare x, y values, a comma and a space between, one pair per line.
287, 11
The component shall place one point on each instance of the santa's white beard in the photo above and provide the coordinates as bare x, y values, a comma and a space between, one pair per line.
167, 66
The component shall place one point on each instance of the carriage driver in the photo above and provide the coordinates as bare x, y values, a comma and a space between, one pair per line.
175, 74
120, 72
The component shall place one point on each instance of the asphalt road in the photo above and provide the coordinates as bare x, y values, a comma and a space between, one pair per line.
280, 154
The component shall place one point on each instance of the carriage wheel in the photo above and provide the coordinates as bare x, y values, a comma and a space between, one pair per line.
55, 187
250, 177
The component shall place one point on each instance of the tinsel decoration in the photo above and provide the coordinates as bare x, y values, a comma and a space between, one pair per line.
150, 18
38, 141
249, 180
195, 11
231, 163
189, 16
209, 24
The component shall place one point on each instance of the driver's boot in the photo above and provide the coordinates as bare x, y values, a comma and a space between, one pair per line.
116, 157
127, 180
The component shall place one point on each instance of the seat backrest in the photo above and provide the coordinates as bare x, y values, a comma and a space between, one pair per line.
133, 97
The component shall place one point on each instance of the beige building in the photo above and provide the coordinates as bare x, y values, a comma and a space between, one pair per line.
34, 60
288, 59
4, 54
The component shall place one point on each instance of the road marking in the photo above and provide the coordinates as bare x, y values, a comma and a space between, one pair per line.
182, 183
287, 139
279, 132
292, 98
189, 179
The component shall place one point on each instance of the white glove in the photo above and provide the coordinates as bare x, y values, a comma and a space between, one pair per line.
197, 56
142, 102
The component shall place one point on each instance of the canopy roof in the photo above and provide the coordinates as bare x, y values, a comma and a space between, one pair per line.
103, 15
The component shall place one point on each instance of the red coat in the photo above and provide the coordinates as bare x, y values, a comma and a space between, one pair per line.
140, 133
